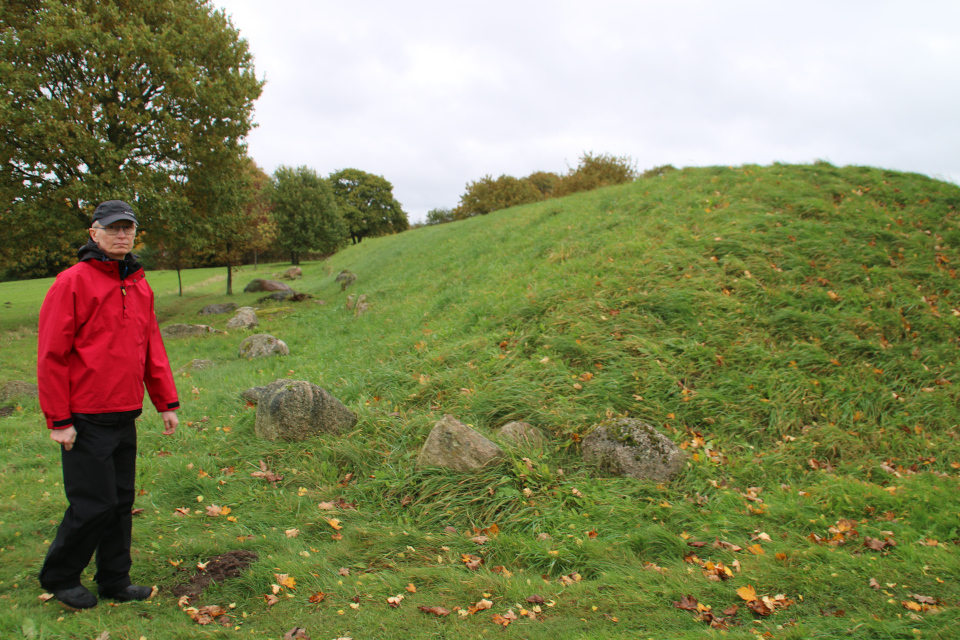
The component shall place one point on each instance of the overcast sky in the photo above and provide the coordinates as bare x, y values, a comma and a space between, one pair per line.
432, 95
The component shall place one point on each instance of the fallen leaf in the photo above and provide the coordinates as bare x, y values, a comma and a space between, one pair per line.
394, 601
180, 512
480, 539
271, 599
874, 584
327, 506
343, 571
440, 612
317, 597
213, 511
292, 533
45, 597
687, 603
535, 599
473, 562
297, 633
748, 593
335, 523
411, 588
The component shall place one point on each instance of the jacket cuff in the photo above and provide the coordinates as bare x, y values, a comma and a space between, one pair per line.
170, 406
61, 424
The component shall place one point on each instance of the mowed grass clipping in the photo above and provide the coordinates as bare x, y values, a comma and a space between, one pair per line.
794, 328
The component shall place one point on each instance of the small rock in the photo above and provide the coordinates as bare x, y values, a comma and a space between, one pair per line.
18, 389
194, 365
629, 447
258, 285
521, 434
293, 273
345, 278
293, 410
456, 446
217, 309
246, 317
186, 330
277, 296
262, 344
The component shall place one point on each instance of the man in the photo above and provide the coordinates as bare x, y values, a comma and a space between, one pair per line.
99, 343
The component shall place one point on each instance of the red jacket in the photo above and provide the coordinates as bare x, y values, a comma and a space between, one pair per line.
99, 344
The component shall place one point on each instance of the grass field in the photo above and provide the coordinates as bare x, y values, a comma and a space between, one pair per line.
794, 328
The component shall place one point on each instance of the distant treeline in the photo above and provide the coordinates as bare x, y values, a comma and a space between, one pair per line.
489, 194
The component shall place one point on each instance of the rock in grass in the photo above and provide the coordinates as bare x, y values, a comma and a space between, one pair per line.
629, 447
261, 345
18, 389
217, 309
456, 446
521, 434
257, 285
194, 365
186, 331
294, 410
293, 273
246, 317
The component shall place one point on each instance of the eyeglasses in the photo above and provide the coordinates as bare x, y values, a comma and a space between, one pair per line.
113, 231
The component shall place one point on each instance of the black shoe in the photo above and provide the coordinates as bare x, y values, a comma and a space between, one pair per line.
76, 598
128, 593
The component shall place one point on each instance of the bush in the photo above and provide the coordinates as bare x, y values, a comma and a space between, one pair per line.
440, 215
486, 195
595, 171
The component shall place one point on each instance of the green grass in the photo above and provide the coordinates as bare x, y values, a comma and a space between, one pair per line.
796, 321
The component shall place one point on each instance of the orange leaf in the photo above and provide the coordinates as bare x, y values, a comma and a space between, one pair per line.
748, 593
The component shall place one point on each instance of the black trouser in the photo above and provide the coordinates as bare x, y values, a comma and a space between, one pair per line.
99, 473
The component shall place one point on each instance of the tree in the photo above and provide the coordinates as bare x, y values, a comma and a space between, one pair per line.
305, 211
440, 215
545, 181
486, 195
106, 99
367, 203
595, 171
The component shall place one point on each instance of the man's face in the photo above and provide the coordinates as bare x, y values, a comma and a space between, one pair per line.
116, 239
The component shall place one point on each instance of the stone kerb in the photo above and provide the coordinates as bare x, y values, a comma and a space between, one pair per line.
294, 410
261, 345
454, 445
629, 447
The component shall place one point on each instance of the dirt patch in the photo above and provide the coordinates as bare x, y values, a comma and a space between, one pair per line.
6, 411
219, 569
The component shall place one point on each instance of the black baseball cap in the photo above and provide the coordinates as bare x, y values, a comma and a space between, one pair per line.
112, 211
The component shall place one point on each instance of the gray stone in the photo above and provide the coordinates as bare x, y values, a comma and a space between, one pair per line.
195, 365
260, 345
246, 317
186, 330
294, 410
253, 394
293, 273
521, 434
258, 285
629, 447
456, 446
217, 309
18, 389
345, 278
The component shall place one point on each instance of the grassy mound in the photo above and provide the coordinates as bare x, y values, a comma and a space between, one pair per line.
795, 328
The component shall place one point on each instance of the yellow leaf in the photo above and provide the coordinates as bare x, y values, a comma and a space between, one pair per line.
748, 593
335, 523
411, 588
756, 550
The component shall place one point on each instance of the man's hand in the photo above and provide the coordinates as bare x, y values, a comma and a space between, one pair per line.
170, 422
65, 437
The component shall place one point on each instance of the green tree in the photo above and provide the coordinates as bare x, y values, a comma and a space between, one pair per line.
440, 215
545, 181
305, 211
367, 203
486, 195
595, 171
103, 99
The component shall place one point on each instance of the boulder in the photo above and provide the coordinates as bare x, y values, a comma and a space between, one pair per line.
260, 345
629, 447
521, 434
246, 317
186, 330
293, 273
257, 285
217, 309
18, 389
194, 365
294, 410
456, 446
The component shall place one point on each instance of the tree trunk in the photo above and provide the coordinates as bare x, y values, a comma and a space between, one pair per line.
229, 280
254, 258
180, 282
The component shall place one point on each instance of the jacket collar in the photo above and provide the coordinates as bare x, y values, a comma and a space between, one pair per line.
91, 252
